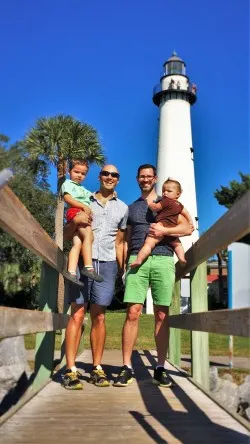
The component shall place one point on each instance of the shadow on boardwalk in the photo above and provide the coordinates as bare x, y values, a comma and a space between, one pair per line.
190, 426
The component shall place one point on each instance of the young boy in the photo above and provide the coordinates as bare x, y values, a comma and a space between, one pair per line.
78, 199
168, 209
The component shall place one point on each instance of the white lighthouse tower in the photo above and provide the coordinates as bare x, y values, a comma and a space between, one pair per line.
174, 96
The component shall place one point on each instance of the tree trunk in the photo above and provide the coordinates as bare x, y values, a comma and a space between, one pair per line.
61, 173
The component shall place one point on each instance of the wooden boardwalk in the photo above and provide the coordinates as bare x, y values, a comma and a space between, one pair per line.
140, 413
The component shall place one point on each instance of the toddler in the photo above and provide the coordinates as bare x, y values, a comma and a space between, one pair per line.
168, 209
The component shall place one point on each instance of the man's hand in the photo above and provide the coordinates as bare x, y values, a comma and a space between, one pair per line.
156, 231
83, 218
86, 209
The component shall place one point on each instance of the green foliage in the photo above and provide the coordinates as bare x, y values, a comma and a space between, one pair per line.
228, 195
19, 268
62, 137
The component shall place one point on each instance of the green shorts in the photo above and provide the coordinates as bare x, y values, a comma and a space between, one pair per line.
157, 272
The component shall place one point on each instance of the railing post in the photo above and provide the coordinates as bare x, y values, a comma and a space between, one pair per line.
45, 342
199, 340
175, 333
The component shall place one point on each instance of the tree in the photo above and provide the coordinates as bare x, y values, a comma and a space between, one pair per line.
227, 196
55, 140
19, 268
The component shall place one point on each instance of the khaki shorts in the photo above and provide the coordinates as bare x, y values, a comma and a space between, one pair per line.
157, 272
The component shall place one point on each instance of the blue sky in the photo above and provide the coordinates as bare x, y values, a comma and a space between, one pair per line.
100, 60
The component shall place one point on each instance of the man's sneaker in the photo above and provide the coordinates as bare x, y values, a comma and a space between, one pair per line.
99, 378
71, 381
90, 273
161, 378
124, 378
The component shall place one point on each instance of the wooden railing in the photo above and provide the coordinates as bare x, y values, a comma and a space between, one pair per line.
17, 220
232, 226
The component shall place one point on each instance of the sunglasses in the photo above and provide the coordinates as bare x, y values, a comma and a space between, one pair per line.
108, 173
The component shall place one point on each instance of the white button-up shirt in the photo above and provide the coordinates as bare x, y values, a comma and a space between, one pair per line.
107, 220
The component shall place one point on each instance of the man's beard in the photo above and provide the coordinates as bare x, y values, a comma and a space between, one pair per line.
147, 189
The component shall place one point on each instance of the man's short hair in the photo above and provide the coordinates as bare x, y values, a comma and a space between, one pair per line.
74, 162
144, 166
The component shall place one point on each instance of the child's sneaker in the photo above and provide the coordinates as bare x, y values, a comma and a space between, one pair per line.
90, 273
73, 278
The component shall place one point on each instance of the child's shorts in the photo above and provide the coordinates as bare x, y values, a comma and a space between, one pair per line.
71, 213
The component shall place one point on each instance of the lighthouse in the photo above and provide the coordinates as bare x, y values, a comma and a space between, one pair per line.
174, 96
175, 158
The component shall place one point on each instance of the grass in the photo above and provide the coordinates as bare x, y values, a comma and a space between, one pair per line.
218, 344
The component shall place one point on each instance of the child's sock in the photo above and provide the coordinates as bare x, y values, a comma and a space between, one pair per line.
89, 267
73, 272
73, 369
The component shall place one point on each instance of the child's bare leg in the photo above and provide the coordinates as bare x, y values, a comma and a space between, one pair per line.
179, 251
74, 254
145, 251
87, 240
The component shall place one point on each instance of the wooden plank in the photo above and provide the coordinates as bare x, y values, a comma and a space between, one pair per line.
226, 322
17, 220
45, 342
141, 412
175, 334
15, 321
233, 225
199, 340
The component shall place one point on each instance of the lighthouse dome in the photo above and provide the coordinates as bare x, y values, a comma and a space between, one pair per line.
174, 58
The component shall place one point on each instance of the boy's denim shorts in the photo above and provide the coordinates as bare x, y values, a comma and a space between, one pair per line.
100, 293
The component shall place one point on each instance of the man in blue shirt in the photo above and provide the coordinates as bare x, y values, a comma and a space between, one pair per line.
157, 271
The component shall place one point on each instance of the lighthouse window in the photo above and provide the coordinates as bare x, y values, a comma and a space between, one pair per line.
192, 153
174, 68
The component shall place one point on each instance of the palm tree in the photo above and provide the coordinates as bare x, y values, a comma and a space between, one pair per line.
56, 140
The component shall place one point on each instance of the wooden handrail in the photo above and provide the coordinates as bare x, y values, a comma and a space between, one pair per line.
17, 221
232, 226
16, 321
227, 322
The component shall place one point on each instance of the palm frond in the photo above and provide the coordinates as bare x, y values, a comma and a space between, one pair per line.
62, 137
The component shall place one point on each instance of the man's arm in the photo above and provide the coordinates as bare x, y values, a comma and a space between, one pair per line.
127, 244
119, 247
182, 228
81, 219
186, 214
155, 206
